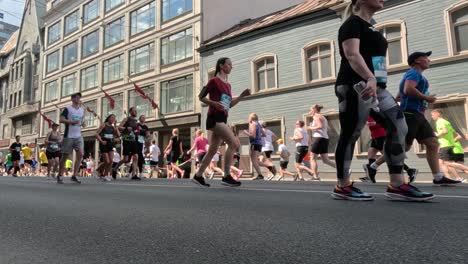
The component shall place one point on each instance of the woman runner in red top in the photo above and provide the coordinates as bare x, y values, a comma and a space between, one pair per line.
220, 101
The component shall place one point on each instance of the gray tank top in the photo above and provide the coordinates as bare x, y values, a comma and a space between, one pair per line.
130, 135
53, 145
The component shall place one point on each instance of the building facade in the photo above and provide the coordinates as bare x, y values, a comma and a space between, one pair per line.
6, 30
20, 116
290, 59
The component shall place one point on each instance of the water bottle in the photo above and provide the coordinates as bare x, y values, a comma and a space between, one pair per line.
371, 102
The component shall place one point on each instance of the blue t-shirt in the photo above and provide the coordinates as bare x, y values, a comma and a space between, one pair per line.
408, 103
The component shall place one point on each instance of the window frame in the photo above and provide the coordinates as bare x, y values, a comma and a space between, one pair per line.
305, 60
162, 64
59, 26
103, 82
161, 112
65, 34
403, 41
98, 32
152, 64
63, 53
96, 66
98, 12
106, 11
254, 70
106, 34
47, 62
162, 21
75, 84
56, 93
450, 28
135, 11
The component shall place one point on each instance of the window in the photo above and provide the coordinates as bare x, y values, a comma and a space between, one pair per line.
143, 18
53, 33
45, 126
17, 124
457, 21
6, 130
27, 125
142, 105
114, 32
14, 102
71, 23
117, 111
89, 78
111, 4
16, 71
20, 98
265, 73
142, 59
319, 61
21, 63
177, 95
69, 85
51, 91
113, 69
90, 44
70, 53
177, 47
91, 11
53, 61
173, 8
395, 33
90, 119
11, 101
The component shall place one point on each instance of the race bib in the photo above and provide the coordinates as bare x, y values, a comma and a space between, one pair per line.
54, 146
18, 149
108, 136
141, 139
226, 101
380, 68
76, 117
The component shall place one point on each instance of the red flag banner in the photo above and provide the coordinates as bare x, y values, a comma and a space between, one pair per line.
48, 120
111, 100
140, 91
153, 103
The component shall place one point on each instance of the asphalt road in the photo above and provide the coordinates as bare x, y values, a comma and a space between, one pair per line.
161, 221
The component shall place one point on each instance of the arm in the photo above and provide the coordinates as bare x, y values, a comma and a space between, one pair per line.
297, 136
122, 125
98, 136
181, 150
65, 120
251, 130
169, 147
411, 90
192, 148
46, 140
318, 123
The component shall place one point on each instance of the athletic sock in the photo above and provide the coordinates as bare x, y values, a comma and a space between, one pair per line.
374, 165
438, 176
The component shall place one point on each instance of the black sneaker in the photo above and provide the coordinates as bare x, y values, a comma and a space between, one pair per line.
273, 170
445, 181
370, 172
59, 180
74, 179
229, 181
200, 181
136, 178
364, 179
412, 173
259, 177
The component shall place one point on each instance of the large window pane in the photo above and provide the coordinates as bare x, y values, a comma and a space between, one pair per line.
69, 86
142, 59
142, 105
70, 53
461, 36
114, 32
71, 22
143, 18
177, 47
394, 52
51, 91
89, 78
460, 16
91, 11
177, 95
90, 119
326, 67
53, 34
117, 111
53, 61
111, 4
113, 69
90, 44
173, 8
313, 70
261, 80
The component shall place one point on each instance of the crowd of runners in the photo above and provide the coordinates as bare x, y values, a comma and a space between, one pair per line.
361, 88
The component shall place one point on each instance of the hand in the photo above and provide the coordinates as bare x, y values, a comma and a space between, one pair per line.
430, 99
218, 106
245, 93
75, 122
188, 152
370, 90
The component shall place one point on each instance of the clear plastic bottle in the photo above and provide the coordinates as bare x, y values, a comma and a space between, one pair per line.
371, 102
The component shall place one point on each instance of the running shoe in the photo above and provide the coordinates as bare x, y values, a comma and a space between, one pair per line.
229, 181
136, 178
315, 179
200, 181
273, 170
350, 193
270, 177
296, 176
412, 174
240, 174
445, 181
59, 180
370, 172
407, 192
364, 179
75, 180
259, 177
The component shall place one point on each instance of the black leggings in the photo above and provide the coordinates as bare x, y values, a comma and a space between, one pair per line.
353, 117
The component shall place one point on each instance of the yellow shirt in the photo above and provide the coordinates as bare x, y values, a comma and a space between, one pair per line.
27, 153
68, 164
43, 158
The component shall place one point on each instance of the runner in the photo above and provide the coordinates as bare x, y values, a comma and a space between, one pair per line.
73, 118
174, 150
143, 136
44, 162
268, 148
284, 154
27, 153
414, 97
69, 166
154, 158
8, 162
320, 140
129, 130
15, 150
53, 140
220, 101
200, 146
214, 165
363, 51
106, 134
301, 138
115, 163
255, 134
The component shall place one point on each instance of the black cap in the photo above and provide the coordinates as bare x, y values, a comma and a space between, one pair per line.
415, 55
76, 94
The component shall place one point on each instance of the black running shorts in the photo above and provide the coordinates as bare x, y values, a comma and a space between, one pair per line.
418, 128
301, 152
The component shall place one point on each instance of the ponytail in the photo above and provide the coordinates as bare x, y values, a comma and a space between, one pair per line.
349, 10
221, 61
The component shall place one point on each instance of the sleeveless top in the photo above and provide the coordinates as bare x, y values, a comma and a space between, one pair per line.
321, 132
53, 145
130, 135
305, 138
107, 133
257, 140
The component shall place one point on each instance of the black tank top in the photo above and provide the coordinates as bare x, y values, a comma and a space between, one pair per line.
107, 133
130, 135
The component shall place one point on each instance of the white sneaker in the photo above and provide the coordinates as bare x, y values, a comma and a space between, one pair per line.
211, 175
108, 178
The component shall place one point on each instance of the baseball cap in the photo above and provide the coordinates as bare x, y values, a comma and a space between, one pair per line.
415, 55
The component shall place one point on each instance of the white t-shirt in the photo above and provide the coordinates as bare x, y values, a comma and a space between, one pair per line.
89, 164
267, 142
73, 131
305, 138
284, 156
155, 152
116, 158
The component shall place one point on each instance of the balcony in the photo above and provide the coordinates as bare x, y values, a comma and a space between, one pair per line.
22, 110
